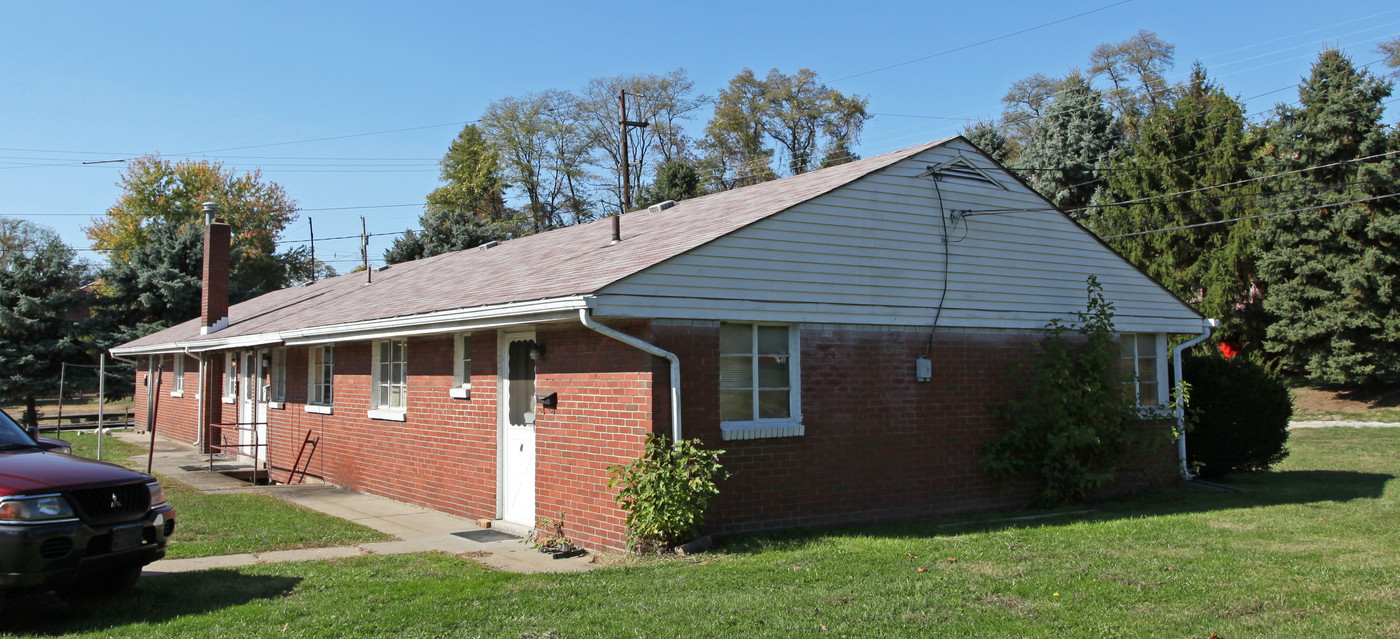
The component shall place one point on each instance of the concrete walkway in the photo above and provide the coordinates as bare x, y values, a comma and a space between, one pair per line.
1332, 424
416, 529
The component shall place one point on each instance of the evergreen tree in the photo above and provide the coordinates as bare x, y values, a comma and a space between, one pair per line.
675, 180
1069, 143
40, 286
1332, 274
988, 137
1195, 140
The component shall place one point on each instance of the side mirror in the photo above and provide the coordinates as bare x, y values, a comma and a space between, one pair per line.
33, 432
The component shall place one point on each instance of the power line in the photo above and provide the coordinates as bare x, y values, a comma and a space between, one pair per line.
978, 44
1252, 217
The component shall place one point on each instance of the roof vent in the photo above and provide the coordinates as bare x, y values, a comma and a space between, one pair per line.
487, 245
657, 208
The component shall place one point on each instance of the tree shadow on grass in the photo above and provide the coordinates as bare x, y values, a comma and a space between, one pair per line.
155, 600
1260, 490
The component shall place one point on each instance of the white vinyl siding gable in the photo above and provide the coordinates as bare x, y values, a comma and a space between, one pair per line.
872, 252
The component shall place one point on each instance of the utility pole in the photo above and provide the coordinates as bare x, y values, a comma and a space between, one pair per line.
626, 166
364, 251
312, 227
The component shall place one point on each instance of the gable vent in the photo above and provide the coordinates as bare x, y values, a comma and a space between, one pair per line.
959, 168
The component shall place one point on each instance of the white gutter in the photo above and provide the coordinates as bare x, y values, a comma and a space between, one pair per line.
480, 317
654, 350
1180, 387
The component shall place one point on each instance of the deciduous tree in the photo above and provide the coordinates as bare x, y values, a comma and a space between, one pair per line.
544, 154
1135, 70
664, 102
467, 210
811, 124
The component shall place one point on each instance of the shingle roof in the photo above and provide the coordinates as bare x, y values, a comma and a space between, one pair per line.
576, 260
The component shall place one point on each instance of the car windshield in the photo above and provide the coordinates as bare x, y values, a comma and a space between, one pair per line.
11, 434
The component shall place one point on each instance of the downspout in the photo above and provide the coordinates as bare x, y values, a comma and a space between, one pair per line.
1180, 386
654, 350
199, 401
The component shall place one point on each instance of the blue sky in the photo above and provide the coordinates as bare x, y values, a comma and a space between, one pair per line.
235, 82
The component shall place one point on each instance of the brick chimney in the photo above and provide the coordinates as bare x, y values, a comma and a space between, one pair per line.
213, 304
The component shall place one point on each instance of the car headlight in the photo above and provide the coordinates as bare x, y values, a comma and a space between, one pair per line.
157, 493
39, 508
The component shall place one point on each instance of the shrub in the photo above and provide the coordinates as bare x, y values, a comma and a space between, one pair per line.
1074, 425
1239, 415
666, 491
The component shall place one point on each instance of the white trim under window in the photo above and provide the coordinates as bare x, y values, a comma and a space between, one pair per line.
389, 379
320, 379
177, 379
1142, 358
461, 366
230, 377
760, 381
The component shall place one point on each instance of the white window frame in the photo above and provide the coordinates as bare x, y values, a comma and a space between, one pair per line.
230, 377
790, 426
461, 366
316, 400
381, 380
177, 379
1159, 344
279, 378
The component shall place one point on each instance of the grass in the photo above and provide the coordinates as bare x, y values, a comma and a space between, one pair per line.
208, 525
1311, 550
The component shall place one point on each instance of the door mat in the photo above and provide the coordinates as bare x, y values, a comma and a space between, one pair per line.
485, 536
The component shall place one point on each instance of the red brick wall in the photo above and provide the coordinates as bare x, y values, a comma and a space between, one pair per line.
604, 415
878, 444
178, 415
444, 455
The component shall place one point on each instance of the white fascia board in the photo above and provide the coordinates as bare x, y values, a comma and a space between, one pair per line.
200, 346
557, 309
482, 317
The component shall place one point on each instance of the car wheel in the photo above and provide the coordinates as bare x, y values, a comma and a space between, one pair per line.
102, 584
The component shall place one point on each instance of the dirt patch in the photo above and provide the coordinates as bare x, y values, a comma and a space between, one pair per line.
1125, 579
1014, 604
1373, 403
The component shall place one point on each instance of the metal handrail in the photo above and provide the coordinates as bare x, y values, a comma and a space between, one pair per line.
237, 449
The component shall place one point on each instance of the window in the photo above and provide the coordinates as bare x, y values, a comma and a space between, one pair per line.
1141, 360
177, 379
230, 377
390, 384
320, 393
461, 366
759, 393
279, 375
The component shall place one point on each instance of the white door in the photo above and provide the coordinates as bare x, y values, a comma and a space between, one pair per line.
253, 392
517, 426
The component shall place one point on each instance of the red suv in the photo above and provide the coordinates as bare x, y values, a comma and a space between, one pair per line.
72, 524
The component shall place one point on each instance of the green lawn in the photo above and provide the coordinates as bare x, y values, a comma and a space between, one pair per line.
226, 524
1311, 550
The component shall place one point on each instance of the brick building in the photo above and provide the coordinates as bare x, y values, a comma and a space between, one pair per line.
786, 323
